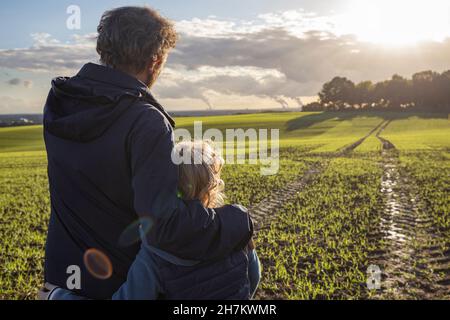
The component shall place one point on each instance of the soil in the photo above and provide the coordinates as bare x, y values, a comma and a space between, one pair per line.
415, 262
414, 259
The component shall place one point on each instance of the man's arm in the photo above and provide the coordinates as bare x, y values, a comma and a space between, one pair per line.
183, 228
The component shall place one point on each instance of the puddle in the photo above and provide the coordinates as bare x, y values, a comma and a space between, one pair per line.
406, 236
394, 205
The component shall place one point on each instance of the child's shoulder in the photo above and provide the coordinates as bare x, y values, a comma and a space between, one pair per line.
240, 207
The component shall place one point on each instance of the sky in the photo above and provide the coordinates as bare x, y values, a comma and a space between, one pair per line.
234, 53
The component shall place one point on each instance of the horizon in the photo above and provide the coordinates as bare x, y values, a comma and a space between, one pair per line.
196, 111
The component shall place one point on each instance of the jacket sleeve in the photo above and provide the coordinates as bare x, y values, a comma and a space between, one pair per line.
143, 282
183, 228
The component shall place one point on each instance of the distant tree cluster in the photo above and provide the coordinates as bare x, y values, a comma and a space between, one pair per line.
425, 91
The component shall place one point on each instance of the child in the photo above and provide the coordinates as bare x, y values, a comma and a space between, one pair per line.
159, 275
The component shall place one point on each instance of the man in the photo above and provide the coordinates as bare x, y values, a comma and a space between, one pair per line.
109, 145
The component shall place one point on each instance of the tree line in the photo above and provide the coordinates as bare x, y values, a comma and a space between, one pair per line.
425, 91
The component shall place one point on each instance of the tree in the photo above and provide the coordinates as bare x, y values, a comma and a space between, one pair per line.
398, 92
442, 83
363, 95
337, 93
424, 89
313, 106
380, 94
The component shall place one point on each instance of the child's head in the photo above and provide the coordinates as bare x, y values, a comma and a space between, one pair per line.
200, 178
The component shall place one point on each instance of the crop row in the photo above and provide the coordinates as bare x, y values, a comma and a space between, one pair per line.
24, 207
318, 245
431, 173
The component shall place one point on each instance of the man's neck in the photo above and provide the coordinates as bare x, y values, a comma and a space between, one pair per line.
142, 76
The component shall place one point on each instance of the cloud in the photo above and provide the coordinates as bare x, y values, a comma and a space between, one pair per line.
44, 40
280, 56
10, 105
312, 59
28, 83
48, 55
203, 81
16, 82
295, 22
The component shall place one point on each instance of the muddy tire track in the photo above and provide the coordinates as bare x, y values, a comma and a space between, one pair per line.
414, 260
263, 212
347, 149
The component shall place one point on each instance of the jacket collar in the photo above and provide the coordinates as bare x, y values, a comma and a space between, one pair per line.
112, 76
123, 80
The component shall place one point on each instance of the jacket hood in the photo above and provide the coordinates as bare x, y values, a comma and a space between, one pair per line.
83, 107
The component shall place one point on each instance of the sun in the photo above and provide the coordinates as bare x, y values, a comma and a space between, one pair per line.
398, 22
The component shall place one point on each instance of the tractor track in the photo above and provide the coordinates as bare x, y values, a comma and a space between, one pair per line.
347, 149
263, 212
414, 262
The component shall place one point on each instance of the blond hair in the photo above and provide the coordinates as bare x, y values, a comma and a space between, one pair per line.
199, 178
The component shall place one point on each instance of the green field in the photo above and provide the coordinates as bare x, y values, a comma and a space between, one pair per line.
364, 204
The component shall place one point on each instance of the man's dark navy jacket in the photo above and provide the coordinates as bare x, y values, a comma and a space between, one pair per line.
109, 147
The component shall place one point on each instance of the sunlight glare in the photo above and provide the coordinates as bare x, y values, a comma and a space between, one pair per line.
398, 22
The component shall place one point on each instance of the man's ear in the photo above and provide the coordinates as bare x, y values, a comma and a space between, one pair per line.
154, 63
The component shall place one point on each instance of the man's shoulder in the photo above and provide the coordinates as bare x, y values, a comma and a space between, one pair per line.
147, 110
149, 117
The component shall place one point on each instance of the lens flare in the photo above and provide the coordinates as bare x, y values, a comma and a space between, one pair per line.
98, 264
132, 234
